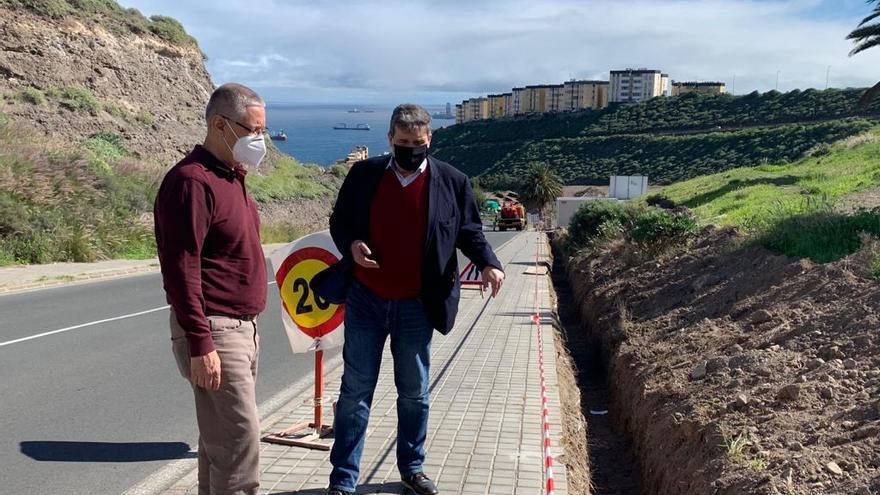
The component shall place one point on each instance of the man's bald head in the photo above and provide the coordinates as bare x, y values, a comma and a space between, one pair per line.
232, 101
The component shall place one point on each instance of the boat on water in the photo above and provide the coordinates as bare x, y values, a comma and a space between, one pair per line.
357, 110
279, 136
346, 127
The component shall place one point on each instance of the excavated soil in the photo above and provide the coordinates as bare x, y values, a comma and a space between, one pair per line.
598, 456
736, 371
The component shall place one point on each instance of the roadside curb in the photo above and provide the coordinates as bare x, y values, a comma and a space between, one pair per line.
87, 275
73, 279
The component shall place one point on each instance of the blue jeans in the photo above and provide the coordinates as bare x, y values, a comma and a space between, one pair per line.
369, 319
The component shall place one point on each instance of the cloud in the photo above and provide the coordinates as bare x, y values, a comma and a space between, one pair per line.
383, 49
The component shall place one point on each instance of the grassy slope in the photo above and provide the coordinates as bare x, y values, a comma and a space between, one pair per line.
747, 195
794, 208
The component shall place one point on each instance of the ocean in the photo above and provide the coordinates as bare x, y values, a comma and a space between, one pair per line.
312, 139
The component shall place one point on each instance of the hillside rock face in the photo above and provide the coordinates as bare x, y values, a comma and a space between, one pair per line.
139, 86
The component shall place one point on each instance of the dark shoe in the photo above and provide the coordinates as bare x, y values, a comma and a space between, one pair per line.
336, 491
420, 484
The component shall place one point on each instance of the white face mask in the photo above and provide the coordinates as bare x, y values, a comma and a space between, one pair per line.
248, 150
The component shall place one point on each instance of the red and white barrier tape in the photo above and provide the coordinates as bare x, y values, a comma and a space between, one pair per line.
545, 412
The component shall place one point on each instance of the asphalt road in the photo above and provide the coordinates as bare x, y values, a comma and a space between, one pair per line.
96, 409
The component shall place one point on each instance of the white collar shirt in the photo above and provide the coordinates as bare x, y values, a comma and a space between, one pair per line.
409, 179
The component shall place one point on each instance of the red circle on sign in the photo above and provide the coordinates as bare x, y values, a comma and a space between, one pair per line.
291, 261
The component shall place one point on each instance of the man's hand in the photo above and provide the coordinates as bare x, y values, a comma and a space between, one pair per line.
360, 252
205, 370
494, 277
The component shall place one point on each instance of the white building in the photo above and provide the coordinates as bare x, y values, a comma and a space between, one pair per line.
637, 85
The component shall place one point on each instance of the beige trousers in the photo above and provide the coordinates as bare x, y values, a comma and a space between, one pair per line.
229, 425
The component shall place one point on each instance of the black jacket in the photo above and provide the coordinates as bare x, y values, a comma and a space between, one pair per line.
453, 222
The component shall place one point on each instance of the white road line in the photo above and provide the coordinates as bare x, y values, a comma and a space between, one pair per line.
83, 325
89, 324
116, 318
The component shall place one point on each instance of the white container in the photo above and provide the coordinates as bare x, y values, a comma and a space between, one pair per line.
567, 207
627, 186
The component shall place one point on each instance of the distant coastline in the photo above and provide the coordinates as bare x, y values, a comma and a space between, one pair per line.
311, 138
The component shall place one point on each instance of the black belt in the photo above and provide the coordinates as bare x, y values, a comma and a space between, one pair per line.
237, 317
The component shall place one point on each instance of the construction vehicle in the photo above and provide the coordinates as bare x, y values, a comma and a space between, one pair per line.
511, 216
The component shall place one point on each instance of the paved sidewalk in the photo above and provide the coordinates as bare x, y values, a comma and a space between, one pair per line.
28, 277
485, 432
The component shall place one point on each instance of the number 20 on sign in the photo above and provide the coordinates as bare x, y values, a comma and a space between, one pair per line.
314, 316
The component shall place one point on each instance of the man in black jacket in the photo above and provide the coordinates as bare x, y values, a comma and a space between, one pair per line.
398, 221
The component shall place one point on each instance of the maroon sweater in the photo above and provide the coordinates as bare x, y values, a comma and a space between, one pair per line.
208, 237
398, 224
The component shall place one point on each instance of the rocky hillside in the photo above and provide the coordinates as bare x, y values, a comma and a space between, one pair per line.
75, 68
96, 102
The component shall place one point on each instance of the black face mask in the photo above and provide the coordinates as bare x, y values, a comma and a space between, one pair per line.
409, 158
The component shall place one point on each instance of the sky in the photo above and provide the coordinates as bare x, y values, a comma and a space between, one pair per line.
432, 52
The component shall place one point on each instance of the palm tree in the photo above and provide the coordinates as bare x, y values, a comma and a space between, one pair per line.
867, 35
541, 185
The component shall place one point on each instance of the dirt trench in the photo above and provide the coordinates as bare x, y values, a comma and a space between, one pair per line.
599, 456
730, 370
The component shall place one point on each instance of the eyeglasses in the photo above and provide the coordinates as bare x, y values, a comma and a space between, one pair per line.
253, 132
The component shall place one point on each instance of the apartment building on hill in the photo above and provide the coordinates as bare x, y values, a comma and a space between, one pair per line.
632, 85
579, 95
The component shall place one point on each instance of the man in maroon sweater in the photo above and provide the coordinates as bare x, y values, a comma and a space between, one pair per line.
208, 238
398, 221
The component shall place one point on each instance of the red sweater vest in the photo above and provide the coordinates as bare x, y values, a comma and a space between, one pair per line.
398, 225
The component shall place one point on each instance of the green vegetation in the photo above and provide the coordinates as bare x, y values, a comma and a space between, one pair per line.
32, 95
540, 185
650, 230
664, 158
799, 209
276, 232
339, 170
77, 204
170, 30
110, 15
690, 111
91, 201
287, 181
77, 98
668, 139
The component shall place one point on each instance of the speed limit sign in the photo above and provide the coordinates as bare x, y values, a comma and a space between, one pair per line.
310, 322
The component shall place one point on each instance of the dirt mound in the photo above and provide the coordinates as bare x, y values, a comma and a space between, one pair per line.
737, 371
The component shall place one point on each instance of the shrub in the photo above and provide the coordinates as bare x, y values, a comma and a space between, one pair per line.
653, 230
77, 98
50, 8
656, 229
590, 217
144, 117
119, 111
661, 201
274, 232
288, 180
107, 145
170, 30
32, 95
820, 149
339, 170
817, 232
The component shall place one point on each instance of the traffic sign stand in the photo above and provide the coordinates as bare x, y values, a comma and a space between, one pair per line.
471, 277
311, 324
310, 435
